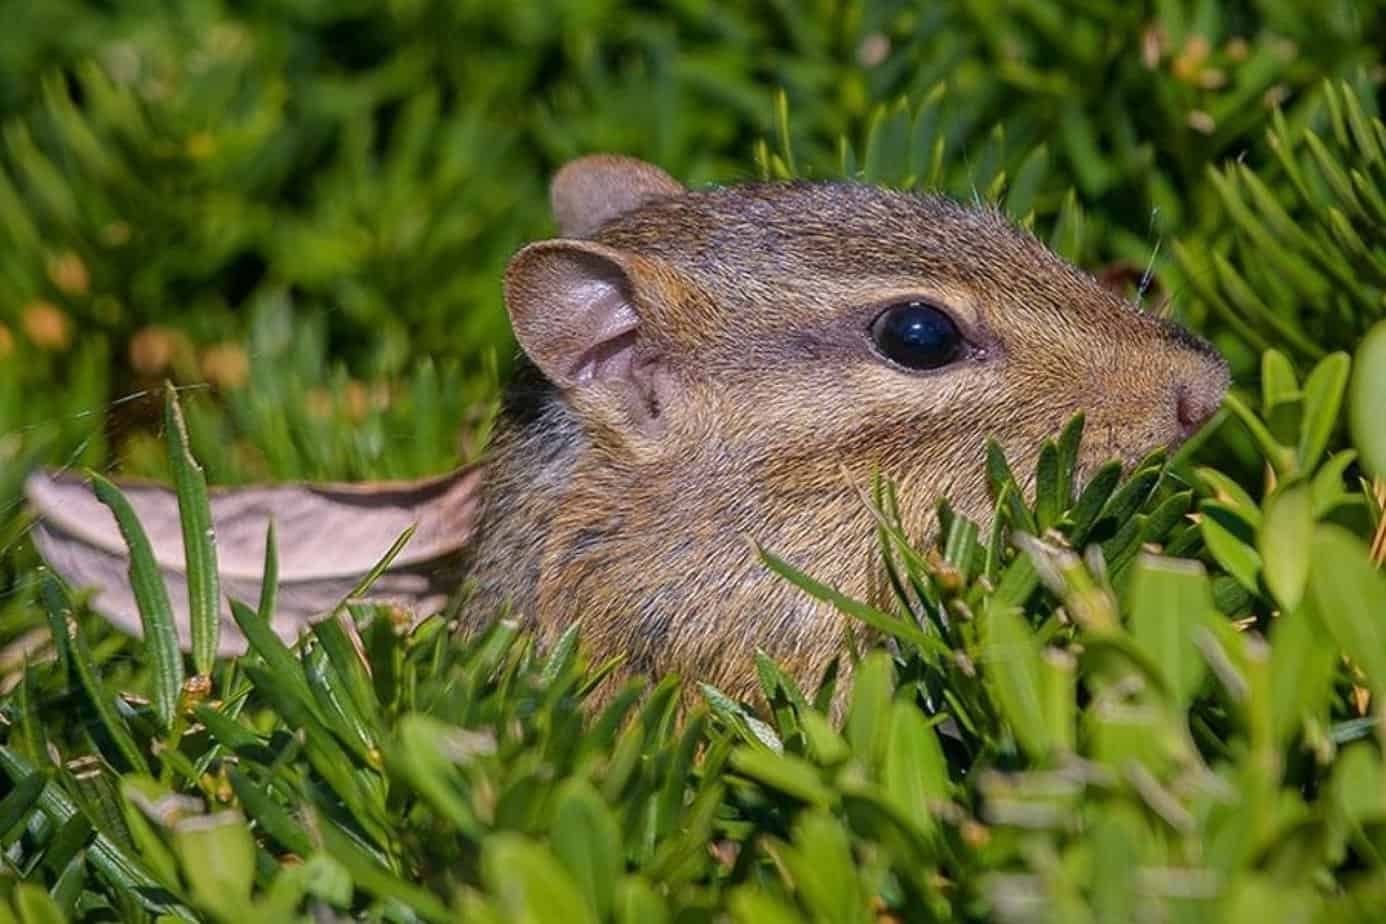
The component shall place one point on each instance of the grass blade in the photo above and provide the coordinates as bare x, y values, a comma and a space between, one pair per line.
199, 540
269, 577
877, 619
113, 862
285, 672
1094, 497
79, 655
156, 614
381, 566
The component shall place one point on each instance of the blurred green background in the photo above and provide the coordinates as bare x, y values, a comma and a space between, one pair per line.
300, 210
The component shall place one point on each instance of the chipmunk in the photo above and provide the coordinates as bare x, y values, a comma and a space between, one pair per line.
700, 368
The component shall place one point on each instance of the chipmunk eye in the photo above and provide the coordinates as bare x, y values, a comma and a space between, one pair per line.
917, 336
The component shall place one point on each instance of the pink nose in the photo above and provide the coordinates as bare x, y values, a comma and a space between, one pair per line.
1196, 402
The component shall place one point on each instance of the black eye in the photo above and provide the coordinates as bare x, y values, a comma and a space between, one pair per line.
917, 336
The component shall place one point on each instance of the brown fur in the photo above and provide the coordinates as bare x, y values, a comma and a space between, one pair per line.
756, 301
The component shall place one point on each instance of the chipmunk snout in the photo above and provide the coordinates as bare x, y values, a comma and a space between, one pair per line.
1198, 395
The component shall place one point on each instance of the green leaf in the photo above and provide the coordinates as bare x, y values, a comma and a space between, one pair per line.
1349, 596
147, 803
1278, 382
782, 132
217, 855
588, 842
1066, 238
669, 805
1093, 498
821, 843
562, 656
1327, 488
337, 709
350, 673
1250, 305
1017, 582
530, 884
320, 876
915, 772
774, 681
877, 619
269, 578
21, 800
372, 877
637, 902
340, 772
112, 860
269, 816
785, 773
427, 755
1134, 493
1165, 517
227, 732
1359, 784
751, 904
1170, 599
960, 546
751, 729
1021, 196
151, 596
199, 542
1059, 691
1069, 442
1118, 839
101, 698
1365, 417
1276, 453
285, 670
873, 683
1323, 397
1049, 499
1229, 541
1005, 489
1282, 539
1011, 664
35, 906
1231, 495
824, 743
1301, 671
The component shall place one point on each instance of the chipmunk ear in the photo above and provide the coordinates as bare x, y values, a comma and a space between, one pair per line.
575, 307
590, 191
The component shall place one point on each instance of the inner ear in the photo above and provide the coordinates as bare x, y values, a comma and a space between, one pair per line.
591, 191
575, 307
597, 340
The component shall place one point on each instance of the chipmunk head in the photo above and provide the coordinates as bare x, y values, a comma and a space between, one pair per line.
784, 330
724, 354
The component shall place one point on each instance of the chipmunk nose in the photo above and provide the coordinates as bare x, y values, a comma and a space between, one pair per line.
1197, 399
1200, 378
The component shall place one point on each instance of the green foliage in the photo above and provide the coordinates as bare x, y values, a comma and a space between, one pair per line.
1058, 716
1146, 693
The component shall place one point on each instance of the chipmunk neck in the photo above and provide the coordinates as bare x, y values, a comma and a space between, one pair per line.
533, 451
650, 558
